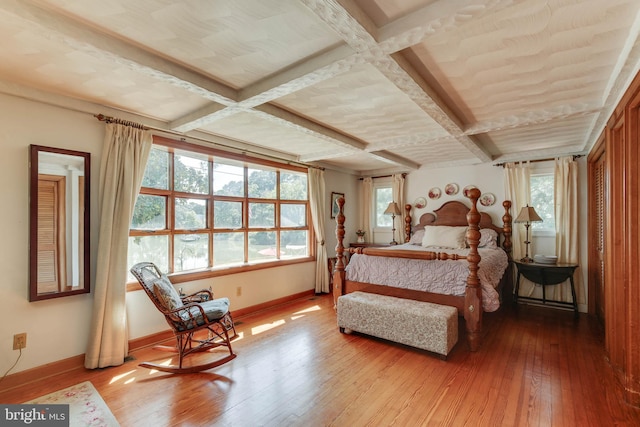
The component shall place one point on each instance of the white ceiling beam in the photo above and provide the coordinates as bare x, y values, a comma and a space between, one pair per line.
561, 112
437, 17
324, 155
385, 156
293, 121
200, 117
315, 70
540, 154
357, 36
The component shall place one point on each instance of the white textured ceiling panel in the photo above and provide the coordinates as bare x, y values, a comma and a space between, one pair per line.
362, 86
261, 131
381, 12
363, 103
543, 137
238, 42
445, 153
32, 57
360, 162
531, 56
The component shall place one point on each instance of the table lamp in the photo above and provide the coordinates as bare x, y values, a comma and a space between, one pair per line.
527, 216
393, 210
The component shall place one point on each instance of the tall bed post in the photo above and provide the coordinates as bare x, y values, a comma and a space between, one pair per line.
407, 223
507, 245
507, 219
339, 273
473, 293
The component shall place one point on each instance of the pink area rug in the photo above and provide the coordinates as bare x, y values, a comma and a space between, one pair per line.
86, 406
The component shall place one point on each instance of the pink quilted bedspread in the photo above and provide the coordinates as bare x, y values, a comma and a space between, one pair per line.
442, 277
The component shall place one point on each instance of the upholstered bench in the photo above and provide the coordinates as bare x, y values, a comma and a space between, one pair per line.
424, 325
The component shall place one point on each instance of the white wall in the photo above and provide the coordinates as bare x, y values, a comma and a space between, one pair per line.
59, 328
486, 177
347, 184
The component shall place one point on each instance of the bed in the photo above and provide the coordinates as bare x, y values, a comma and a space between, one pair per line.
474, 278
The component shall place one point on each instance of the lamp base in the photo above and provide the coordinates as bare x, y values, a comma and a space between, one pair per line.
526, 259
393, 242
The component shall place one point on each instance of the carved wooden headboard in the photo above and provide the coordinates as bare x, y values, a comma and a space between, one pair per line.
454, 214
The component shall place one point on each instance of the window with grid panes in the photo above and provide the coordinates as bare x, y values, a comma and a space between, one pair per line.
542, 193
199, 211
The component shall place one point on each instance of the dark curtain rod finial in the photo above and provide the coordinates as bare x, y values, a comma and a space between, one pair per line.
108, 119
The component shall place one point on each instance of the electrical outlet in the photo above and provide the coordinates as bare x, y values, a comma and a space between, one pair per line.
239, 291
19, 341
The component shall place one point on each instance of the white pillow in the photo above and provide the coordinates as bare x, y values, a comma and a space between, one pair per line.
488, 238
417, 237
444, 236
166, 293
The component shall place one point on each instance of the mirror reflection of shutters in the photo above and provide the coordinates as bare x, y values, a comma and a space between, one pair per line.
51, 230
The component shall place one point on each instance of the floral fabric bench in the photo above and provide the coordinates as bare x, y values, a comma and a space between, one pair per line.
424, 325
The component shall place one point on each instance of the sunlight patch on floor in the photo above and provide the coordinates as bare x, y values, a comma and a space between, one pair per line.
165, 363
121, 376
301, 313
267, 326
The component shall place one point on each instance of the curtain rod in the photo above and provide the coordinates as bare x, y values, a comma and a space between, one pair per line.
109, 119
575, 157
404, 175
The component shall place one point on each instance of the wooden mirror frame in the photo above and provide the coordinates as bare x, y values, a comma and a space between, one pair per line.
58, 247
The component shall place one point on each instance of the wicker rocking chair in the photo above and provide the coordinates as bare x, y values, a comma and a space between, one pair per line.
199, 322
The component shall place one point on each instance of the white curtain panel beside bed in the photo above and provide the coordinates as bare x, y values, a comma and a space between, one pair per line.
317, 204
517, 177
567, 234
366, 200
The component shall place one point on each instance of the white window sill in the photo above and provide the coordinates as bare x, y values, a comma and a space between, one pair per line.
543, 233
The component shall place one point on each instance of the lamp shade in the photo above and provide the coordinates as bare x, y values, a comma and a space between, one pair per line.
528, 214
393, 209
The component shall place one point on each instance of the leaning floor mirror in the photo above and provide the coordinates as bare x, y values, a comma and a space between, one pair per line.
59, 222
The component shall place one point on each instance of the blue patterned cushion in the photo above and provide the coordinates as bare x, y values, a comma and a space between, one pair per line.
214, 309
166, 293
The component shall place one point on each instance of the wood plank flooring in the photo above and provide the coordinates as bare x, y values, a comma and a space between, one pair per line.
537, 367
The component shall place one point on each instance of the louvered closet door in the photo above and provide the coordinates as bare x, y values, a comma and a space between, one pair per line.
50, 233
600, 224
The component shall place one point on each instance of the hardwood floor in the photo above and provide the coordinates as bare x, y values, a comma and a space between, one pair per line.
537, 366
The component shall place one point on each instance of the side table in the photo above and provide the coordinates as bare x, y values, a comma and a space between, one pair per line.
368, 245
546, 275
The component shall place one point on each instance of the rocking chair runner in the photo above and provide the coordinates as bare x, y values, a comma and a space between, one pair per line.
191, 315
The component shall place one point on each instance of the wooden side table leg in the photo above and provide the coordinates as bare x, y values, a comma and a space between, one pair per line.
573, 294
515, 296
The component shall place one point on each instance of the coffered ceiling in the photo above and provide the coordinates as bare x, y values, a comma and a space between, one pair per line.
366, 86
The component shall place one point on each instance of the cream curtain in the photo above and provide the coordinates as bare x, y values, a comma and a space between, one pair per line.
124, 156
317, 205
517, 184
567, 234
365, 211
397, 192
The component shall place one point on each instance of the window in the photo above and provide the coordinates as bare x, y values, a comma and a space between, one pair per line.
201, 210
542, 189
382, 197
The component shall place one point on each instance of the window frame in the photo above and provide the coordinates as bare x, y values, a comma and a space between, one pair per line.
380, 183
547, 231
210, 230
